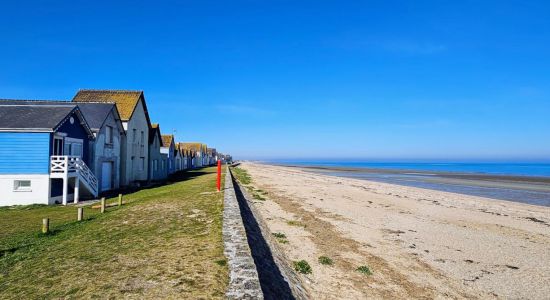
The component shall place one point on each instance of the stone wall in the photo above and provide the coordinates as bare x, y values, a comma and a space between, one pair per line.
282, 262
243, 276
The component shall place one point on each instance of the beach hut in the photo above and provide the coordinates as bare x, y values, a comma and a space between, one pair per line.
43, 154
134, 115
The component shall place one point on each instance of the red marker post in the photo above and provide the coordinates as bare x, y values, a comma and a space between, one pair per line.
219, 180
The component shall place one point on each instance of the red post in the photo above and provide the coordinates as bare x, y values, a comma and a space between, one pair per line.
219, 182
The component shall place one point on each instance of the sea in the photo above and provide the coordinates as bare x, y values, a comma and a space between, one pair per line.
528, 189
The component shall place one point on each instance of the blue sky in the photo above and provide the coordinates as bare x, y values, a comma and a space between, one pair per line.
378, 80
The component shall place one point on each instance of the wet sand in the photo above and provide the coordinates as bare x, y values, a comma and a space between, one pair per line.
419, 243
524, 189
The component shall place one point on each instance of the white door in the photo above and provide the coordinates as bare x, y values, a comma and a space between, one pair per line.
106, 174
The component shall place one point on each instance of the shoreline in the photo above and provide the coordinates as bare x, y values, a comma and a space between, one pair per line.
419, 243
522, 189
458, 175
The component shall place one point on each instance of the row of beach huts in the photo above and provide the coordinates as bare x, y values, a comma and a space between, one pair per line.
58, 152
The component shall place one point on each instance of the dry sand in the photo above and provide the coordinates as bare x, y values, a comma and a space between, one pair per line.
419, 243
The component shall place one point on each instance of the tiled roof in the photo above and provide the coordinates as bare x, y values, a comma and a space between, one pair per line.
196, 147
167, 139
125, 101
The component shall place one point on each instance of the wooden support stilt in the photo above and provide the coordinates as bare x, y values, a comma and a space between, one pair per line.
119, 199
103, 205
76, 190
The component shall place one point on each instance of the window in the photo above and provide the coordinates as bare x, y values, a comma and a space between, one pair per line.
108, 135
22, 185
73, 147
142, 146
76, 149
58, 146
142, 165
135, 135
155, 165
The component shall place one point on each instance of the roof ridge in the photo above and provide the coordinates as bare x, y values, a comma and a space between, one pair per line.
36, 100
44, 105
112, 91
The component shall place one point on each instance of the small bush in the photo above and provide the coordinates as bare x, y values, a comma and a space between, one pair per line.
302, 267
258, 197
281, 237
324, 260
364, 269
221, 262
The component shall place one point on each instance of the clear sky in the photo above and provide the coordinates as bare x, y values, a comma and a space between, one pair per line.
296, 79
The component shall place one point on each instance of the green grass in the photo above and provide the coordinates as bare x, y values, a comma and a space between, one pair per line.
296, 223
364, 269
302, 267
325, 260
281, 237
243, 178
165, 241
258, 197
241, 175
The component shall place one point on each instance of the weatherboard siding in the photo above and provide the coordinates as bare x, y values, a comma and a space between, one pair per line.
24, 153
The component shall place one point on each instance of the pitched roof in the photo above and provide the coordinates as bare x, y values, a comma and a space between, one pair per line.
167, 139
191, 146
155, 131
37, 118
126, 101
95, 113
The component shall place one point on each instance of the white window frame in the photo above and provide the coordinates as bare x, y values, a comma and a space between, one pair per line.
18, 188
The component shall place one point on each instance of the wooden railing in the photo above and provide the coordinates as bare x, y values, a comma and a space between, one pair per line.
65, 164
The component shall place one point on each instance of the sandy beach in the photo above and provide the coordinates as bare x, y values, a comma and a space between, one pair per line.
419, 243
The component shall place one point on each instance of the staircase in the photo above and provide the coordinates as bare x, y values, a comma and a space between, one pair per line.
65, 166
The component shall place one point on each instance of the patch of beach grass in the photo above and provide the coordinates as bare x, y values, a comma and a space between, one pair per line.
281, 237
241, 175
296, 223
364, 270
164, 241
258, 197
302, 267
325, 260
261, 192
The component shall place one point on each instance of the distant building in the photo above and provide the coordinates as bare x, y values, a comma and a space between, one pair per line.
169, 148
158, 169
199, 153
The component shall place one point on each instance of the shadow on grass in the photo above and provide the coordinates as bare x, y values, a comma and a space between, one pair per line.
172, 179
273, 284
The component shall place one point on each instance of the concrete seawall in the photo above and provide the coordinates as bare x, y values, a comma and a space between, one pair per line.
278, 279
243, 276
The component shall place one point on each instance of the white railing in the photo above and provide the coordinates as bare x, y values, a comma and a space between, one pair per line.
65, 164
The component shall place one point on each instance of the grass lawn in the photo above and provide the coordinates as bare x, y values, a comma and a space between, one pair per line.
165, 243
